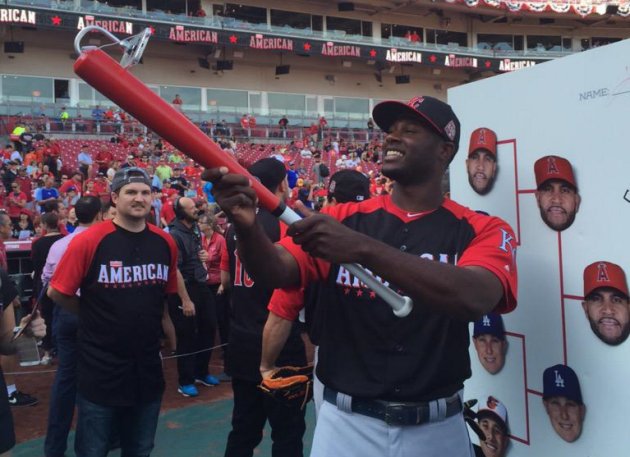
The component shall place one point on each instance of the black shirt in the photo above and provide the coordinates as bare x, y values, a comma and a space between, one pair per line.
8, 292
123, 277
365, 350
249, 301
179, 183
39, 254
188, 246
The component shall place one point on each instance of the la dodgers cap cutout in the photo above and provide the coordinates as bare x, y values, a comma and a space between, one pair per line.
561, 381
553, 167
604, 274
436, 114
490, 324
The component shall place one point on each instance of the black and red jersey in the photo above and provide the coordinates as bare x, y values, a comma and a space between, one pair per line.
249, 302
123, 278
365, 350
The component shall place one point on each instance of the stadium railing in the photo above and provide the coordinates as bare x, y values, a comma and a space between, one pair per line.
228, 23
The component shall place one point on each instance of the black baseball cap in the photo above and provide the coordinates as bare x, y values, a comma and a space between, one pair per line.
269, 171
561, 381
349, 186
129, 175
434, 113
490, 324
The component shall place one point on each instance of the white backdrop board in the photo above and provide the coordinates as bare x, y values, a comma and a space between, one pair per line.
577, 107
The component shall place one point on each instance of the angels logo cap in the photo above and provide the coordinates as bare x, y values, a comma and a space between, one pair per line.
604, 274
553, 167
483, 138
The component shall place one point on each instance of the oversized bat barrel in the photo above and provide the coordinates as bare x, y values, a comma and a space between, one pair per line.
105, 74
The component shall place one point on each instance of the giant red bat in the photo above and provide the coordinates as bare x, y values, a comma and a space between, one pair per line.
112, 80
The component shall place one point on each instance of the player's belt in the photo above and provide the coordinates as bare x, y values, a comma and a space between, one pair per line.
396, 413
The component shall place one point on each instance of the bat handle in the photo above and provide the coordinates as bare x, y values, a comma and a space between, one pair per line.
401, 305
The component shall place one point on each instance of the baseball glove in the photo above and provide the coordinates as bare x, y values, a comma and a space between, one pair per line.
291, 386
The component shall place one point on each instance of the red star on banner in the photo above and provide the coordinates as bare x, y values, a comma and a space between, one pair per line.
372, 294
56, 20
372, 53
346, 291
233, 39
488, 64
359, 293
307, 46
432, 58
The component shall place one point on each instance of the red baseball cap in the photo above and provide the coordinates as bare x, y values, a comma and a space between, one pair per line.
553, 167
604, 274
483, 138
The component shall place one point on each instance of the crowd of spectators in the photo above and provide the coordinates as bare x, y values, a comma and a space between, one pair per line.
42, 179
41, 171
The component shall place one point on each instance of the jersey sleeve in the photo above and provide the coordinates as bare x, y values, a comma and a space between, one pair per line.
287, 303
494, 248
73, 266
311, 268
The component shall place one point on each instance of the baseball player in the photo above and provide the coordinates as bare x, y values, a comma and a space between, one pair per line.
344, 186
492, 419
562, 398
481, 163
490, 343
606, 303
556, 192
392, 385
249, 301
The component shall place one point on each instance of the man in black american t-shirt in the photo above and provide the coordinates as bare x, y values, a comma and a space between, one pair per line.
124, 268
249, 301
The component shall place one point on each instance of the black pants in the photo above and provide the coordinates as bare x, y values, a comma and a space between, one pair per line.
193, 333
7, 434
223, 313
252, 408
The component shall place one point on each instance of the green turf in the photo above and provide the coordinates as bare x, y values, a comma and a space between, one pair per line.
196, 431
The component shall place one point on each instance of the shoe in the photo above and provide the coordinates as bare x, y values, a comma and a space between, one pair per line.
224, 377
208, 381
18, 398
188, 390
46, 360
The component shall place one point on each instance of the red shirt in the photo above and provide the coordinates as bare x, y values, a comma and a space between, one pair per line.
168, 213
217, 253
63, 189
13, 209
103, 157
26, 186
